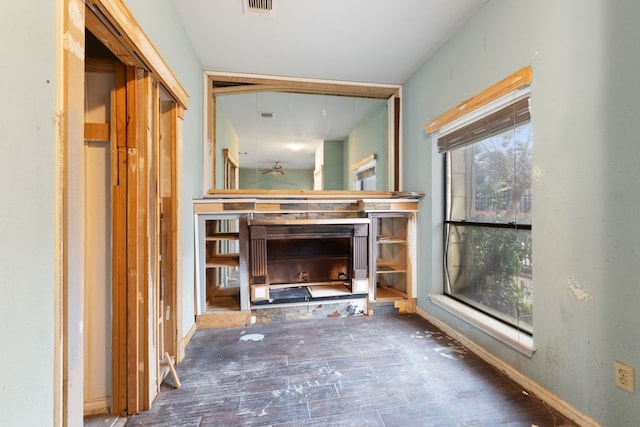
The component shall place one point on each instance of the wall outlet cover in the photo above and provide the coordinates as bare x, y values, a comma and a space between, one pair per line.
625, 376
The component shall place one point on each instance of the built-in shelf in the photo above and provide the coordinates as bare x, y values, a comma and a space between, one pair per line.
382, 240
220, 264
222, 236
383, 267
226, 260
389, 293
392, 273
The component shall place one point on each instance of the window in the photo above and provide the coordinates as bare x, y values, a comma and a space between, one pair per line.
364, 174
487, 218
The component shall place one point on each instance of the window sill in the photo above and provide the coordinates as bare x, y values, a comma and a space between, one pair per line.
504, 333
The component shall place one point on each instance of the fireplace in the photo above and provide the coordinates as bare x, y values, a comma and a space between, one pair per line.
307, 260
302, 255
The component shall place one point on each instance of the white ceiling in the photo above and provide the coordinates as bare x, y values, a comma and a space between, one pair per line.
373, 41
368, 41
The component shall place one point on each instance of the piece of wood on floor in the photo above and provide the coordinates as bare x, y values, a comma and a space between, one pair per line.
169, 362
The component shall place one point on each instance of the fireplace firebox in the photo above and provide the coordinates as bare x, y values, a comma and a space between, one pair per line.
306, 255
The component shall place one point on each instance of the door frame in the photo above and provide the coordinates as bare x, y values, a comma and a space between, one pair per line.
115, 26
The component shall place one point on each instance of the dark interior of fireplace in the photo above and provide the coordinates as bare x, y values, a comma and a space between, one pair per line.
308, 260
317, 257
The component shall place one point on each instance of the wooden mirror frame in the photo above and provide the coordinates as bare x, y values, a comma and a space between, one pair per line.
243, 83
231, 167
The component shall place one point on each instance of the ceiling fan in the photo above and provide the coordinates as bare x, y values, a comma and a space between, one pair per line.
276, 169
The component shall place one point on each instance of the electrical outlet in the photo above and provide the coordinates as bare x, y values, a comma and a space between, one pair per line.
625, 376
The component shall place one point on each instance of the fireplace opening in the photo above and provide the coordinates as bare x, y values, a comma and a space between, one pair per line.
308, 262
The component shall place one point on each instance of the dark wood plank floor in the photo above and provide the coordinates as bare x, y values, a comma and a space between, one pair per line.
350, 371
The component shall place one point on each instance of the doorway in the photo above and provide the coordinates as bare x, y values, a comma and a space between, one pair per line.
131, 135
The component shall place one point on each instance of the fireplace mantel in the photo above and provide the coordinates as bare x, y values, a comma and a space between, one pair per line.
298, 204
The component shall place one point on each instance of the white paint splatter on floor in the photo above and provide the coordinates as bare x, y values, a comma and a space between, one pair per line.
252, 337
453, 352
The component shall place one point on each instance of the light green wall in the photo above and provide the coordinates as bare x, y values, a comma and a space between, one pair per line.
27, 172
294, 179
333, 165
585, 111
369, 137
159, 21
226, 137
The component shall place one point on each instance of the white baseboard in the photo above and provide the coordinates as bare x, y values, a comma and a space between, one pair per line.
525, 382
182, 345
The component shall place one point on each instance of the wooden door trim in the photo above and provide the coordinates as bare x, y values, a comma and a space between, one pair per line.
130, 296
119, 292
173, 232
112, 22
133, 292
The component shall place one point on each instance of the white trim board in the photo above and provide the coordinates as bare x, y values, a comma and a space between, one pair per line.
506, 334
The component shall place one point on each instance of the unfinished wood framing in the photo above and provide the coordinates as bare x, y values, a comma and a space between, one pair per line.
112, 22
364, 161
96, 132
397, 146
99, 65
231, 170
211, 135
134, 215
247, 83
227, 319
516, 80
169, 361
168, 115
119, 296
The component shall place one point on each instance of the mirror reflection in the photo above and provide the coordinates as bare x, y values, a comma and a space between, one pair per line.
295, 141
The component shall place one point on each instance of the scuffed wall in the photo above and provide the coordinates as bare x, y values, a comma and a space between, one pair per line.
27, 219
585, 123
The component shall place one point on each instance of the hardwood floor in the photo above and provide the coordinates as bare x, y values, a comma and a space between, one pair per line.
350, 371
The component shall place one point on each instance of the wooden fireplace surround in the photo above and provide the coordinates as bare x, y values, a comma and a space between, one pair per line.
266, 218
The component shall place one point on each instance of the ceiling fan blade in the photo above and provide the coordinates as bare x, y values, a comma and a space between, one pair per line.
276, 169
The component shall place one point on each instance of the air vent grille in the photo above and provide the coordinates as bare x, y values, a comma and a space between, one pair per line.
259, 7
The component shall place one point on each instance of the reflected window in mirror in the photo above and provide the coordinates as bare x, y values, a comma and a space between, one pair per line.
364, 175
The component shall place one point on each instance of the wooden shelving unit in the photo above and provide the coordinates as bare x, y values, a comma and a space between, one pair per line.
220, 264
222, 241
392, 270
221, 261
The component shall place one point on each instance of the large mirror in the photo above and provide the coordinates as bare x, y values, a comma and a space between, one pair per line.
283, 135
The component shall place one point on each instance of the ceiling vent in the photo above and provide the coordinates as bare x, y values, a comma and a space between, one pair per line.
267, 115
258, 7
